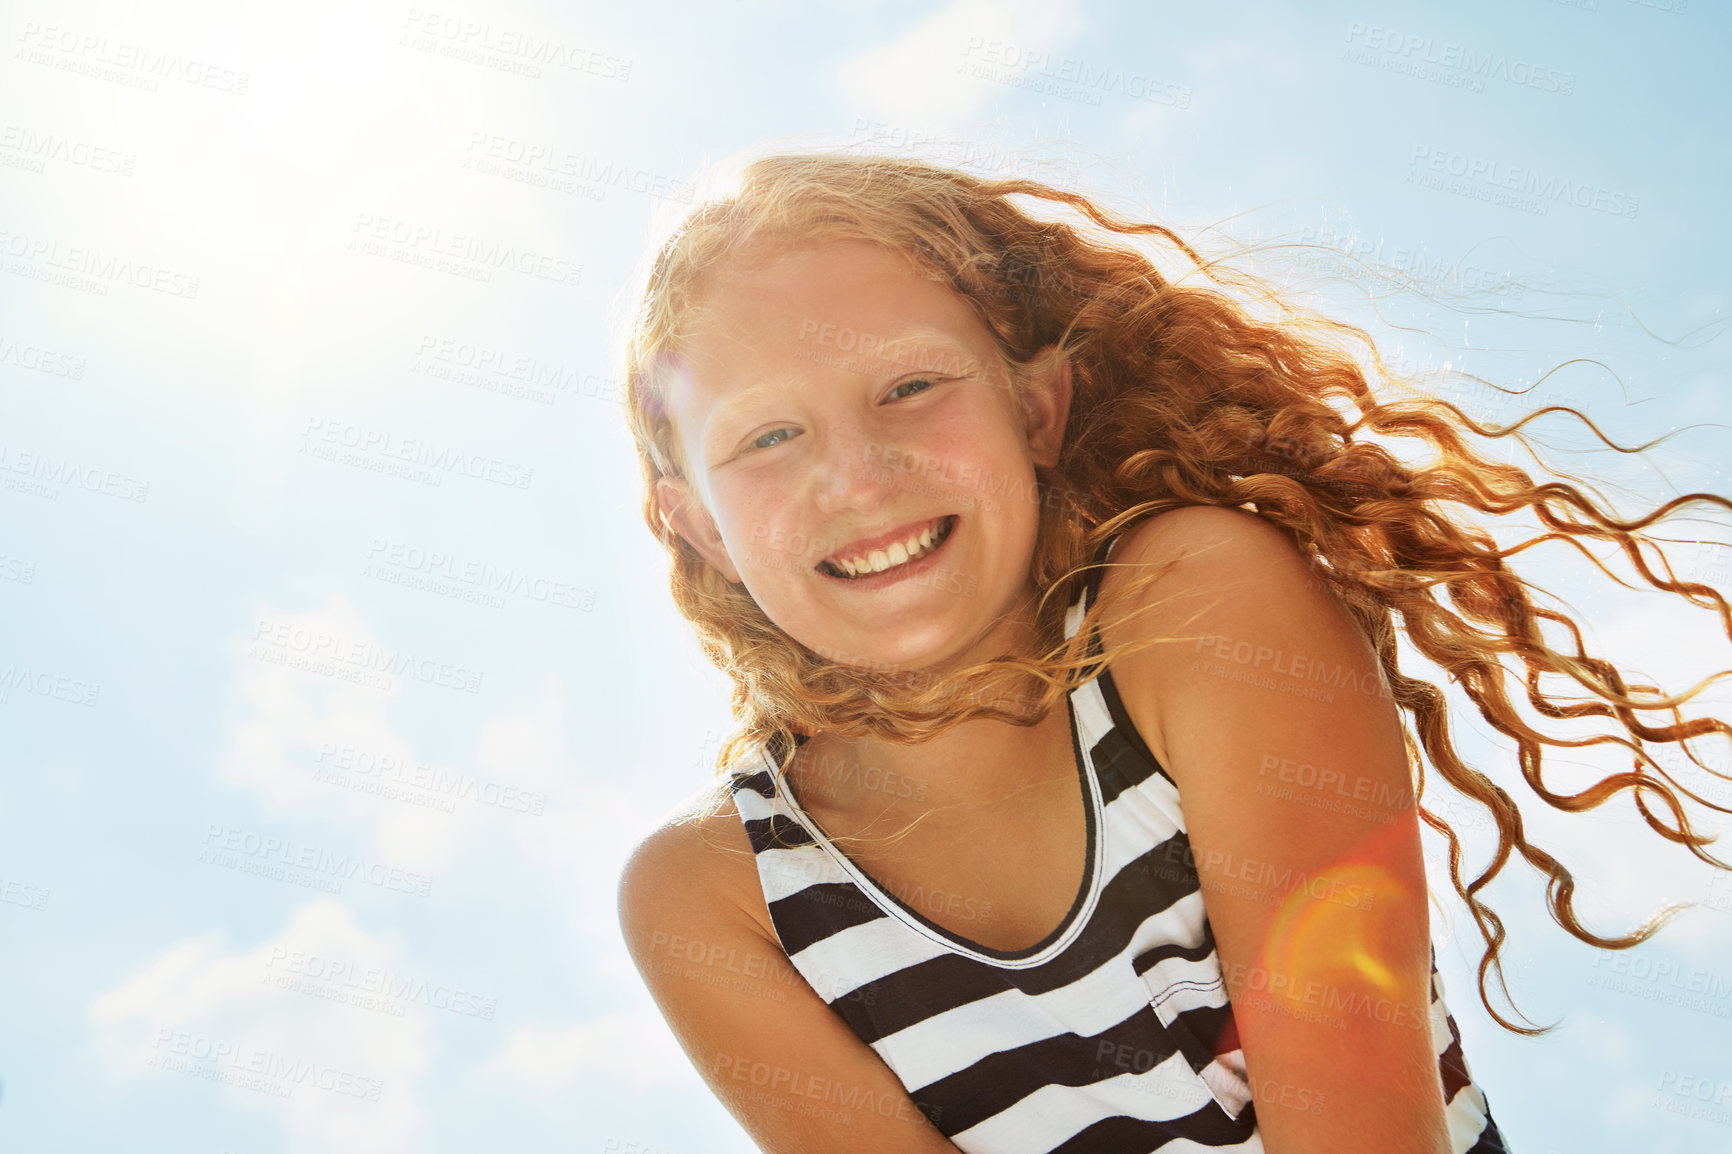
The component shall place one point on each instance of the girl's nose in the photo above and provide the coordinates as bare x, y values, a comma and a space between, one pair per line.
851, 471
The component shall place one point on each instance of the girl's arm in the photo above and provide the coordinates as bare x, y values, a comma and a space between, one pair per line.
784, 1063
1270, 713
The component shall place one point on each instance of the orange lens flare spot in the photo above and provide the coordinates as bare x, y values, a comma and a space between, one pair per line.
1329, 929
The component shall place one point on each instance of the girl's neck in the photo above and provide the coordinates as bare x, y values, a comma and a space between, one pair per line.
975, 764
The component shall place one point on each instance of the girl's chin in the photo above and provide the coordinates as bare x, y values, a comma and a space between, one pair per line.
868, 654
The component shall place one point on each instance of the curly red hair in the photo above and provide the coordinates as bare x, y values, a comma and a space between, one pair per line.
1197, 385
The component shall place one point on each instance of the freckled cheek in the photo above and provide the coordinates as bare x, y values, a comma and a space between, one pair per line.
741, 520
763, 539
974, 463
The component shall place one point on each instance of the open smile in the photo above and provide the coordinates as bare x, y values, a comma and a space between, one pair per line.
885, 559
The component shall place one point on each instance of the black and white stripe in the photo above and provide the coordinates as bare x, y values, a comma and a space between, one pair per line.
1114, 1034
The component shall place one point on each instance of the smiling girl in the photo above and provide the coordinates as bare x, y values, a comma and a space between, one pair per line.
1072, 806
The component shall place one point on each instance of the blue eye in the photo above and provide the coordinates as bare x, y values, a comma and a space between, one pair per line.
905, 384
759, 443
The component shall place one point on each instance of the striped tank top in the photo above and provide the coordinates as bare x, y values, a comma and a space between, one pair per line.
1113, 1034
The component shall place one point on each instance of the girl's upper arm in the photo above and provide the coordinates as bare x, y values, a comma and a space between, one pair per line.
785, 1064
1268, 707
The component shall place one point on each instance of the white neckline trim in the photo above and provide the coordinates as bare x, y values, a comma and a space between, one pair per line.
1082, 750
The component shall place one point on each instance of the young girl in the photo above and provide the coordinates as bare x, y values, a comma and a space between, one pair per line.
1072, 808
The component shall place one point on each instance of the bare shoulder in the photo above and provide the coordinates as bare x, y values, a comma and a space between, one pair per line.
1217, 564
696, 865
1202, 541
770, 1048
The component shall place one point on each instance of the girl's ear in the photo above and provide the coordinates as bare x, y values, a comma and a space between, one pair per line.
685, 514
1046, 404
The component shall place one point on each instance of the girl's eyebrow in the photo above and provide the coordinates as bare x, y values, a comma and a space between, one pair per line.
729, 409
917, 338
893, 353
741, 399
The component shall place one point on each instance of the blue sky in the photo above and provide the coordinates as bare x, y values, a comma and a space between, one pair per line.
241, 302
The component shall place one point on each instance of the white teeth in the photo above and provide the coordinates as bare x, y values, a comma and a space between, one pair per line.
899, 553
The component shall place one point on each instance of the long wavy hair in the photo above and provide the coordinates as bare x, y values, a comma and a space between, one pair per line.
1194, 383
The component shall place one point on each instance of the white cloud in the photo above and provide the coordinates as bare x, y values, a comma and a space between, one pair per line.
289, 723
198, 1011
636, 1047
921, 78
529, 746
313, 746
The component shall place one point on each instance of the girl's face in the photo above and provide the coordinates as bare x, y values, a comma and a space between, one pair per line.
840, 409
